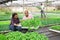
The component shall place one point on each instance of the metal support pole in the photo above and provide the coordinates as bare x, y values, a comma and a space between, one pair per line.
23, 6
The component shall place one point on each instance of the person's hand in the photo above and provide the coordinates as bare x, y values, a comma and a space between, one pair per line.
16, 24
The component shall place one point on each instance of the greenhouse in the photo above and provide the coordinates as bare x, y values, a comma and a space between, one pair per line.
29, 19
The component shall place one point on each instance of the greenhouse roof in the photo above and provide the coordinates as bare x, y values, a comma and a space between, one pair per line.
56, 3
25, 2
22, 2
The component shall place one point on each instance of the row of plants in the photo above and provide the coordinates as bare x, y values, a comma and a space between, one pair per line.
49, 21
53, 11
56, 27
5, 14
23, 36
8, 17
4, 25
5, 18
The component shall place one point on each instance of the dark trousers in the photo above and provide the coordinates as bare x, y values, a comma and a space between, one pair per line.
43, 14
15, 28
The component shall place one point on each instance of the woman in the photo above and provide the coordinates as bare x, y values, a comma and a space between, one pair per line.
14, 26
27, 15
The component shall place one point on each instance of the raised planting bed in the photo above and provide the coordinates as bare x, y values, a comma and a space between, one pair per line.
5, 14
23, 36
55, 28
50, 21
4, 25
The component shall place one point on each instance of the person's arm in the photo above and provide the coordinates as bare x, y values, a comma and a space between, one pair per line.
18, 24
31, 16
13, 23
24, 18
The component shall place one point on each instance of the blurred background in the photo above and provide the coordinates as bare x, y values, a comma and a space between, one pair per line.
33, 6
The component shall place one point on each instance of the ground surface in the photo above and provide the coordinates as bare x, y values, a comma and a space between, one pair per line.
49, 34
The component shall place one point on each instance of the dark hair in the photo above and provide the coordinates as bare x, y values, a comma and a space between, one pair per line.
14, 15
